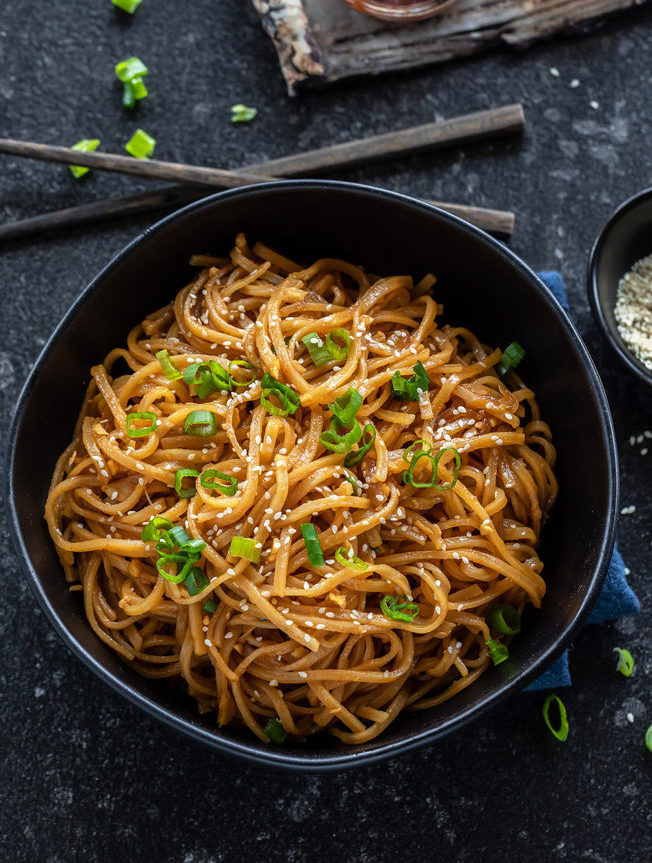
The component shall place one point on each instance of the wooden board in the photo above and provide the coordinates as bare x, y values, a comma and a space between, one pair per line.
325, 40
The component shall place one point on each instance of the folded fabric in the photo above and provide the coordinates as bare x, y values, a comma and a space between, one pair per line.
616, 599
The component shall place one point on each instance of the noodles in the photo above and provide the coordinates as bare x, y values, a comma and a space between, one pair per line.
426, 490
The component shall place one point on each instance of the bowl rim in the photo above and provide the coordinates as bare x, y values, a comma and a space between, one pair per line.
251, 751
595, 300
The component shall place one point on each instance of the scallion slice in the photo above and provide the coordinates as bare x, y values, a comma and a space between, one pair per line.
127, 70
399, 608
410, 389
311, 540
352, 482
245, 364
196, 581
345, 557
86, 145
275, 731
242, 114
129, 6
421, 444
229, 488
140, 145
200, 424
346, 406
142, 431
155, 528
178, 535
210, 606
343, 443
317, 349
497, 652
625, 662
648, 739
242, 546
504, 619
288, 398
561, 733
171, 372
512, 356
188, 491
365, 444
408, 477
178, 575
338, 351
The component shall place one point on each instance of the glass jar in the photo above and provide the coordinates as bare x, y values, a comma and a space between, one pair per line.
401, 10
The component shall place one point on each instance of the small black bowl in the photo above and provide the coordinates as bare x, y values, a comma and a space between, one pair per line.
482, 285
625, 238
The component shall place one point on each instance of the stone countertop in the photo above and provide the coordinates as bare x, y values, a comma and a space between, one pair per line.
90, 778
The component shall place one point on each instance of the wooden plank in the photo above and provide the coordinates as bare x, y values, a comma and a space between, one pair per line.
325, 40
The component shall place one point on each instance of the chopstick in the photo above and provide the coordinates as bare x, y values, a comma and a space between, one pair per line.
479, 125
493, 221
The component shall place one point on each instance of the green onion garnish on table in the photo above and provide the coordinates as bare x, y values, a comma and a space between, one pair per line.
286, 396
242, 546
200, 424
410, 389
512, 356
648, 739
275, 731
399, 608
311, 540
131, 73
228, 486
140, 145
497, 652
561, 733
504, 619
141, 431
129, 6
625, 663
86, 145
242, 114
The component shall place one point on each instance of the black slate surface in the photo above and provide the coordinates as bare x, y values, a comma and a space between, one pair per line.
86, 776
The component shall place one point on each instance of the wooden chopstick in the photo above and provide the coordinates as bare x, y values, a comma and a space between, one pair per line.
479, 125
493, 221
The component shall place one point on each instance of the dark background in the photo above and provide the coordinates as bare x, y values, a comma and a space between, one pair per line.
86, 776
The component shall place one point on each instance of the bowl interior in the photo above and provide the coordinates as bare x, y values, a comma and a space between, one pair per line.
625, 239
481, 286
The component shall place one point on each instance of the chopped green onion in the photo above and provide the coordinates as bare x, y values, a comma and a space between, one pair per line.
366, 442
512, 356
155, 528
318, 351
245, 364
648, 739
242, 546
346, 406
178, 535
229, 489
497, 652
242, 114
332, 440
505, 619
177, 576
129, 6
196, 581
398, 608
275, 731
140, 145
210, 606
408, 477
86, 145
407, 455
195, 373
311, 540
132, 92
171, 372
133, 431
286, 395
127, 70
625, 662
189, 491
345, 557
352, 482
337, 351
410, 389
560, 733
221, 378
200, 424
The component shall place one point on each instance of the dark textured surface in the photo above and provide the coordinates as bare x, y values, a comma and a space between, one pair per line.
89, 778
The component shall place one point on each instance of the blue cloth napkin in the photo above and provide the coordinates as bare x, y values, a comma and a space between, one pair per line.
616, 599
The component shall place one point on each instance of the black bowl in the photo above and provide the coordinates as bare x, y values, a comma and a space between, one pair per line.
482, 285
625, 238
